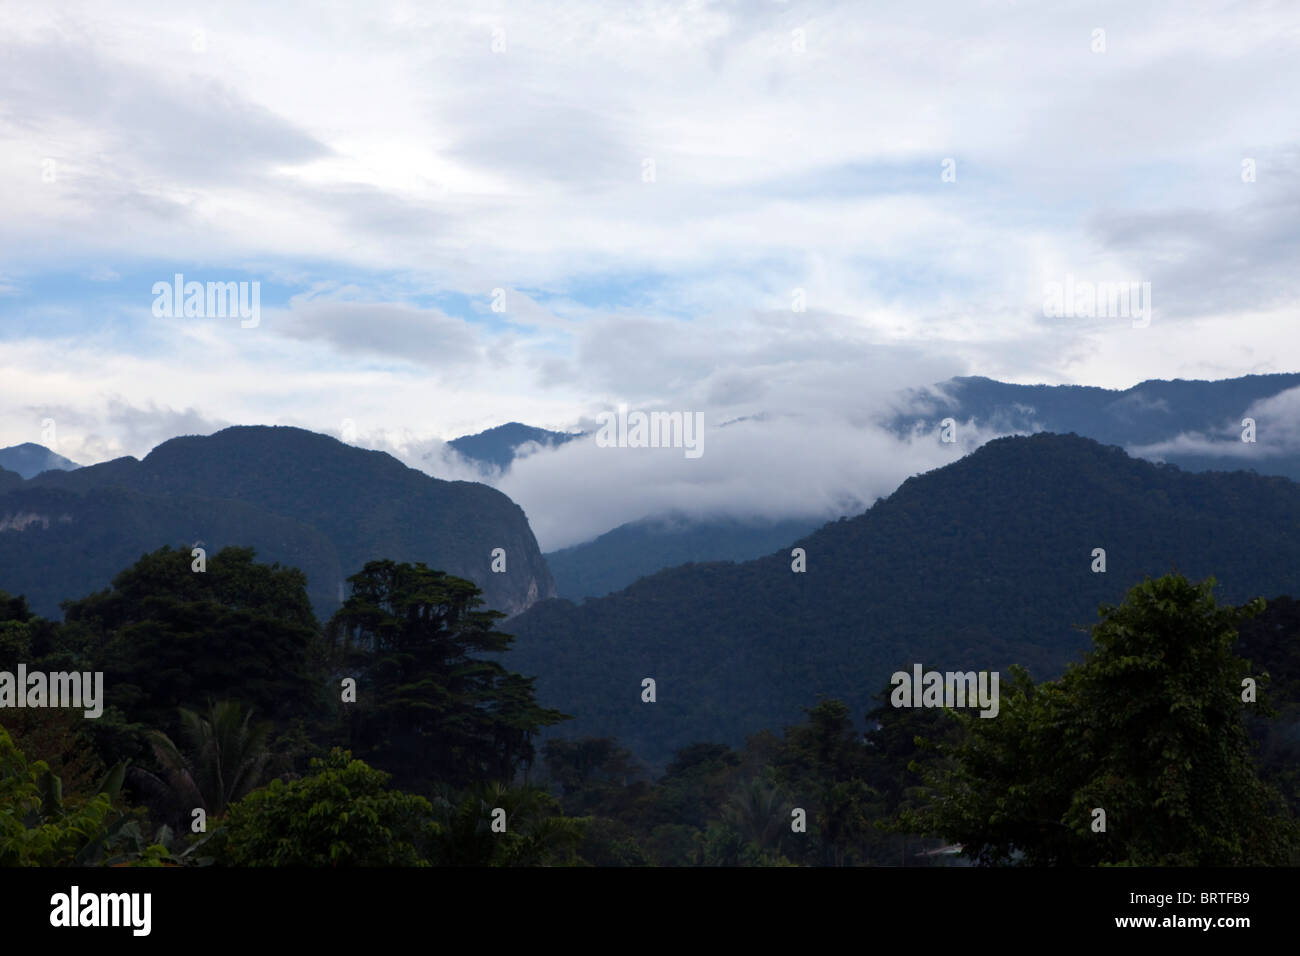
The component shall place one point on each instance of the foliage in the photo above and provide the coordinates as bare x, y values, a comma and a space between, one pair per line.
426, 709
536, 831
38, 828
168, 637
342, 814
1271, 642
1149, 728
227, 756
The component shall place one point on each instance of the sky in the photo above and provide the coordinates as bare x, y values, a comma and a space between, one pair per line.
779, 214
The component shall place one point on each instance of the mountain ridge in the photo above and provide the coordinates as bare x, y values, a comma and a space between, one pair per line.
365, 504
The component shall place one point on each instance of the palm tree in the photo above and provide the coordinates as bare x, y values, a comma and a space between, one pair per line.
228, 756
757, 809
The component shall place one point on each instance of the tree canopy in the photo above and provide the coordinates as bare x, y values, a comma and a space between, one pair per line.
1149, 729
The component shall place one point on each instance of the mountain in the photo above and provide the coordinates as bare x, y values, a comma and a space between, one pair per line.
1140, 419
631, 551
977, 565
297, 497
29, 460
1148, 414
497, 446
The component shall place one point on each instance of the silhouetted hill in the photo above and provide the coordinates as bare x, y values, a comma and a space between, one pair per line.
977, 565
296, 496
29, 460
497, 446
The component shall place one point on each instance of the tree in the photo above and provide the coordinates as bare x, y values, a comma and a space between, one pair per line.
587, 768
342, 814
227, 756
536, 832
1149, 729
824, 763
759, 810
898, 763
65, 740
696, 782
167, 636
426, 709
1271, 642
38, 828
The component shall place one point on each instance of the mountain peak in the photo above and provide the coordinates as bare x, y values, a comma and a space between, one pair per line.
497, 446
30, 459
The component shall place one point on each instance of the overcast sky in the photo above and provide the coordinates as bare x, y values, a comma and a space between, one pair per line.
737, 208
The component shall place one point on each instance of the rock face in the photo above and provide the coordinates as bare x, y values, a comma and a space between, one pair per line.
299, 498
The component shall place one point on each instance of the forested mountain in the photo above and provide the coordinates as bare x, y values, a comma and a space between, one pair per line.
1206, 414
297, 497
29, 460
497, 446
980, 564
633, 550
1149, 413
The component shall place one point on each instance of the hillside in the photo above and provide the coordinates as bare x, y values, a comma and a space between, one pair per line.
57, 544
631, 551
977, 565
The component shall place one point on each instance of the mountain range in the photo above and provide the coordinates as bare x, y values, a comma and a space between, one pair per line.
977, 565
1193, 424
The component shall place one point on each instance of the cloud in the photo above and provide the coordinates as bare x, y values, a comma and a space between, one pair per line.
395, 331
192, 127
118, 429
1211, 261
779, 465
